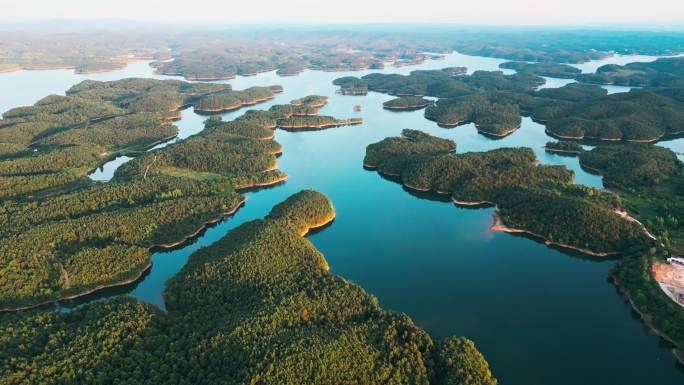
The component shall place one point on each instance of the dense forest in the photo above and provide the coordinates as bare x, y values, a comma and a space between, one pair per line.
407, 103
439, 83
53, 144
539, 199
315, 122
664, 72
638, 116
490, 118
64, 235
552, 70
300, 114
495, 103
258, 306
652, 181
564, 147
229, 100
314, 101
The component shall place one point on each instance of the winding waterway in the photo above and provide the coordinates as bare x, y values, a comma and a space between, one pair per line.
540, 315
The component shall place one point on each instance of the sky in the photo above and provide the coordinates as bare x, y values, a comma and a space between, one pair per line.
476, 12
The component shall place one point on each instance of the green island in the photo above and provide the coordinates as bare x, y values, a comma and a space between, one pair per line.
552, 70
230, 100
650, 179
574, 111
663, 72
542, 201
496, 102
313, 101
407, 103
635, 116
529, 197
564, 147
439, 83
490, 118
300, 114
351, 85
258, 306
66, 236
55, 143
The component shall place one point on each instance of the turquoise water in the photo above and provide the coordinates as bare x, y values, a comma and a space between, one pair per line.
540, 315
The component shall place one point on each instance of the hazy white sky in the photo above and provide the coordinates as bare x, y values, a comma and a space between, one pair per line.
513, 12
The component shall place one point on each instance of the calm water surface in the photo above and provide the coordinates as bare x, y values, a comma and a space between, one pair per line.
539, 315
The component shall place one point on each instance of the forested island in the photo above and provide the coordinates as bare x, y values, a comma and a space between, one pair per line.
490, 118
552, 70
495, 102
439, 83
407, 103
259, 305
351, 85
64, 235
315, 122
300, 114
229, 100
528, 196
636, 116
53, 144
663, 72
543, 202
564, 147
313, 101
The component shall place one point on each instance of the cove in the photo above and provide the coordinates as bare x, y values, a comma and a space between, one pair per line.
540, 315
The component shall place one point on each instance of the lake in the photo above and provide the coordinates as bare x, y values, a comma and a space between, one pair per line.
540, 315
